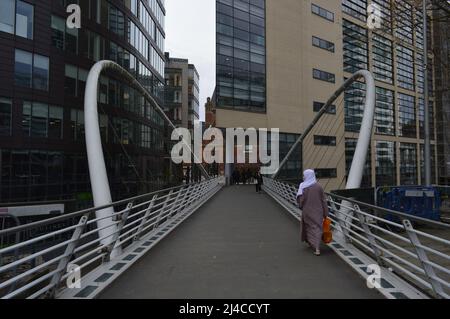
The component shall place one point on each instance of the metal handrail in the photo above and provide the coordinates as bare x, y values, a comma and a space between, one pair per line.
86, 211
415, 255
81, 240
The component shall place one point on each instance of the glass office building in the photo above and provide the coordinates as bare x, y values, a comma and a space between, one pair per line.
43, 70
241, 55
396, 61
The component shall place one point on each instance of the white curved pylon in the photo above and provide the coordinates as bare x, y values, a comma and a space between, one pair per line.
365, 134
96, 161
97, 169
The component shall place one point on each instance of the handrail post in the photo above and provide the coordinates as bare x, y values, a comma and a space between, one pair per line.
145, 218
172, 208
372, 242
341, 223
114, 243
68, 253
163, 208
429, 270
184, 199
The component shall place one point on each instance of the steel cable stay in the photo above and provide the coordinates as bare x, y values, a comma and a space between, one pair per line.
119, 138
319, 150
310, 141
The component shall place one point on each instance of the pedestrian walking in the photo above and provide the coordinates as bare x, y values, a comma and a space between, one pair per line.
312, 202
259, 182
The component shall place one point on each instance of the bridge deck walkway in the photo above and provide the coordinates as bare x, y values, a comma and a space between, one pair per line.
240, 244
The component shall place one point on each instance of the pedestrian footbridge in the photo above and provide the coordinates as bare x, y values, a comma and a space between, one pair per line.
209, 241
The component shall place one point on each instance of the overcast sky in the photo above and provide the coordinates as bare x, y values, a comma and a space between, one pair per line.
190, 34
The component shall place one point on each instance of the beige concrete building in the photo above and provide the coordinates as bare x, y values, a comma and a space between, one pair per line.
182, 91
301, 56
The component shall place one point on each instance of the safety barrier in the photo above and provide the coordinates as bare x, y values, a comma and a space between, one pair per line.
415, 249
40, 266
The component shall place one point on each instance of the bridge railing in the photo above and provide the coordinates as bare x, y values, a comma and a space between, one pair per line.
37, 263
415, 249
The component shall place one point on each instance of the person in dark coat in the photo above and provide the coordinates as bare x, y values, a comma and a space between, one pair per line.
259, 182
312, 201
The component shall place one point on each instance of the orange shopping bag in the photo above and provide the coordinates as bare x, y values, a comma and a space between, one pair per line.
327, 236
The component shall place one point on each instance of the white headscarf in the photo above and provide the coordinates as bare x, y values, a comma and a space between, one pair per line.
310, 179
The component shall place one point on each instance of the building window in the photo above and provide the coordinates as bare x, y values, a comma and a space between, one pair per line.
75, 81
23, 68
382, 59
5, 116
407, 115
323, 44
326, 172
324, 76
350, 147
116, 21
77, 124
132, 6
17, 17
7, 16
386, 172
40, 72
322, 12
354, 98
405, 68
31, 70
403, 12
64, 38
384, 112
40, 120
355, 47
317, 106
324, 140
408, 164
355, 8
24, 19
58, 26
386, 15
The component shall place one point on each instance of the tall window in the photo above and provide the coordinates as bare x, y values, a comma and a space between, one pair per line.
40, 72
386, 173
62, 37
405, 67
116, 21
23, 68
5, 116
404, 20
407, 115
17, 17
382, 59
77, 124
354, 98
24, 19
408, 164
386, 15
355, 47
384, 112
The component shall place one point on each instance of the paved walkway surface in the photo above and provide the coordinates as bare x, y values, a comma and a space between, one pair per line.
238, 245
